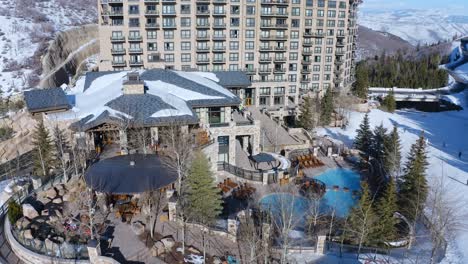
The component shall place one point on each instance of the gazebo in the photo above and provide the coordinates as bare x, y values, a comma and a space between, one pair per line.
130, 174
263, 158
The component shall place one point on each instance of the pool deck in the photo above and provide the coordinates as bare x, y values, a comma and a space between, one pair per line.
330, 163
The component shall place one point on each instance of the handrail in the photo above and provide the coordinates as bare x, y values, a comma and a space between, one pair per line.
240, 172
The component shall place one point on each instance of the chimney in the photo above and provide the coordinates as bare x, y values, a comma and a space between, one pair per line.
133, 84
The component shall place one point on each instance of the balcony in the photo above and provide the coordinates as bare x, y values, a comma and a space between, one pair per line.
219, 37
134, 25
117, 39
340, 44
135, 51
203, 25
115, 13
280, 59
274, 2
219, 49
219, 60
279, 70
283, 48
203, 49
151, 12
314, 34
117, 51
264, 71
266, 49
203, 60
205, 37
136, 63
340, 52
274, 14
169, 26
223, 25
306, 71
169, 13
152, 25
219, 1
307, 52
339, 62
151, 1
119, 63
307, 44
135, 38
268, 59
305, 80
219, 12
203, 12
306, 62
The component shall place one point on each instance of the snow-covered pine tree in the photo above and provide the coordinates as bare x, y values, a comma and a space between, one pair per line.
326, 108
386, 207
306, 117
392, 162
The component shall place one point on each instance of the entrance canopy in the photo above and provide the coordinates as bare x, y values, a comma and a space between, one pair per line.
129, 174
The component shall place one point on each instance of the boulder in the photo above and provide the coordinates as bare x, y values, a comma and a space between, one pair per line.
61, 192
138, 228
22, 223
193, 250
29, 211
50, 245
53, 219
58, 213
57, 201
27, 234
37, 243
42, 199
158, 249
45, 212
51, 193
34, 226
168, 242
66, 197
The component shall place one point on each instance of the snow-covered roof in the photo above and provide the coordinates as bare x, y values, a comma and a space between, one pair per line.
169, 97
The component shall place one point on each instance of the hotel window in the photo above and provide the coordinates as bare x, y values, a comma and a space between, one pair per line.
235, 10
294, 45
168, 34
316, 68
117, 46
292, 77
134, 22
234, 45
329, 41
293, 67
185, 57
318, 41
278, 100
331, 4
168, 46
168, 9
294, 34
264, 100
250, 10
328, 58
315, 77
185, 34
318, 50
342, 14
296, 11
321, 3
151, 34
234, 33
331, 23
279, 90
169, 57
293, 56
329, 50
320, 13
250, 22
249, 34
320, 23
235, 22
249, 45
249, 56
342, 4
133, 10
264, 91
185, 9
233, 56
118, 59
296, 1
317, 58
292, 89
327, 68
331, 13
185, 45
223, 149
152, 46
154, 57
309, 12
315, 86
185, 21
216, 115
233, 67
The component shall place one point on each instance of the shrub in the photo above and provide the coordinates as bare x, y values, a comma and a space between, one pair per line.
6, 132
15, 212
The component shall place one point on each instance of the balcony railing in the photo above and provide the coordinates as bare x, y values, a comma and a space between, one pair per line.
135, 38
118, 51
135, 50
151, 12
117, 38
152, 25
119, 63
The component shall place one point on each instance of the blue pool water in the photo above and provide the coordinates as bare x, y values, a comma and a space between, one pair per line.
340, 200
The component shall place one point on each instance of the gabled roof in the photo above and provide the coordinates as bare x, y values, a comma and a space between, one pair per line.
43, 100
169, 97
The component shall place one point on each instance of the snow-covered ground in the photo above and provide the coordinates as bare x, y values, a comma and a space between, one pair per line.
24, 26
415, 26
447, 135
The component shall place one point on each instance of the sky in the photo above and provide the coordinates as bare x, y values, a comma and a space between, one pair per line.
458, 6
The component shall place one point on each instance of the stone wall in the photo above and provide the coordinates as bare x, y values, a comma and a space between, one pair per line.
30, 257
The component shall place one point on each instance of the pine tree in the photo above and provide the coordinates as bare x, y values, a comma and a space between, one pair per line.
378, 142
361, 85
392, 159
62, 147
204, 203
386, 207
363, 138
43, 156
306, 116
327, 108
413, 185
389, 103
361, 225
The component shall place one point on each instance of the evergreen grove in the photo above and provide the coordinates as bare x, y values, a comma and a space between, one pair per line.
371, 222
399, 71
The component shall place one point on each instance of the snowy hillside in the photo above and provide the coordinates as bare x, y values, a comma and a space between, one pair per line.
447, 136
416, 26
26, 27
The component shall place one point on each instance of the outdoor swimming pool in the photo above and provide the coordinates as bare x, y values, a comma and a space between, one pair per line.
339, 200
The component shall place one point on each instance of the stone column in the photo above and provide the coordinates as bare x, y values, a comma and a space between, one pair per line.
123, 142
232, 147
329, 151
321, 241
255, 138
94, 251
265, 178
154, 135
227, 114
245, 143
172, 205
232, 226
